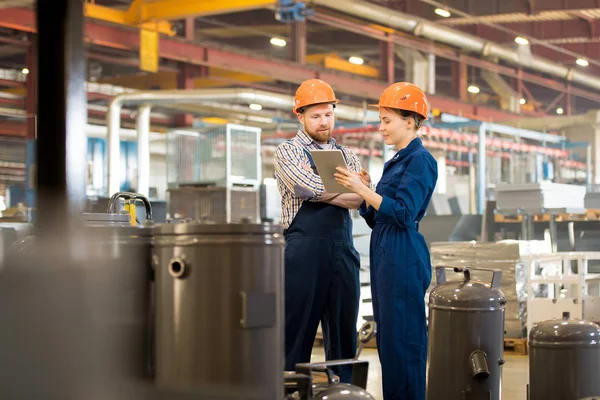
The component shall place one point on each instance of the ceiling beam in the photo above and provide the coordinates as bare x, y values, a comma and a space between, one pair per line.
176, 49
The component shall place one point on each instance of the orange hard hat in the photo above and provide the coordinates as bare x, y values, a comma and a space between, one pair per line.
404, 96
311, 92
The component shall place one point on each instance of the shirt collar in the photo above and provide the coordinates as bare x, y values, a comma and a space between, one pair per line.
412, 146
307, 140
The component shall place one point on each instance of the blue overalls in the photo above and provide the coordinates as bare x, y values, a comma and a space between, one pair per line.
321, 284
401, 270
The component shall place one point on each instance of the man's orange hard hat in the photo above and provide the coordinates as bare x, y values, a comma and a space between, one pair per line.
311, 92
404, 96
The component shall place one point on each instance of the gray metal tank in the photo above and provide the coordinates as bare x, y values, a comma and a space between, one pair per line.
118, 271
466, 338
219, 306
564, 360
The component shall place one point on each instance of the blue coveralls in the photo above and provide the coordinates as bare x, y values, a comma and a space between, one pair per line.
401, 270
321, 284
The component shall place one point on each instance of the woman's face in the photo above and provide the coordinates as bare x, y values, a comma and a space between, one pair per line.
396, 131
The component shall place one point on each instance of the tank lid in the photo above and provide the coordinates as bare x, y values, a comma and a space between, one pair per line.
196, 227
565, 332
466, 296
106, 217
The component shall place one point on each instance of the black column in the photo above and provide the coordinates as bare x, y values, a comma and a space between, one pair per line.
62, 113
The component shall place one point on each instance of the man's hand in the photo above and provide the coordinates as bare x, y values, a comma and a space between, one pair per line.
365, 177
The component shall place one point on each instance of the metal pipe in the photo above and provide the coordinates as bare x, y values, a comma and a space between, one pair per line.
430, 30
588, 169
479, 367
150, 98
481, 169
143, 149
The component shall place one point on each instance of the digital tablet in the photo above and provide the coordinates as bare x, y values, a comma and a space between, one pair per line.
326, 162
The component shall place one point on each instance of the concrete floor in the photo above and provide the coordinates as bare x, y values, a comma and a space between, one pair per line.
515, 374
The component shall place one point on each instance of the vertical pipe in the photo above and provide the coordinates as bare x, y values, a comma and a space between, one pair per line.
431, 73
588, 168
481, 168
62, 114
114, 150
143, 149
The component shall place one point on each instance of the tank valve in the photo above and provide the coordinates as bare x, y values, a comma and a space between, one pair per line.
177, 267
479, 365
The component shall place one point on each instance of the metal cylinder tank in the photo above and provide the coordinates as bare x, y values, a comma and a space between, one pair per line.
564, 360
466, 338
219, 306
118, 275
110, 262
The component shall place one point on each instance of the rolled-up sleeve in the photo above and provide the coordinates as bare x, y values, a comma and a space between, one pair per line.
416, 184
291, 169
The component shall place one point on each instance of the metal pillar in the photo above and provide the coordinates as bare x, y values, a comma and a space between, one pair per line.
298, 45
62, 113
588, 167
31, 108
387, 58
481, 170
143, 149
185, 80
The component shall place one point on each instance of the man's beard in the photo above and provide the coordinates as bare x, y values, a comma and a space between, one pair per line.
317, 136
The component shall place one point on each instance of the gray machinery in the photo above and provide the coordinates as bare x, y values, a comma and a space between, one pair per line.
303, 384
466, 338
219, 306
564, 360
214, 173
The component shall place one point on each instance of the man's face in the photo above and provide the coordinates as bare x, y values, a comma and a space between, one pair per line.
318, 122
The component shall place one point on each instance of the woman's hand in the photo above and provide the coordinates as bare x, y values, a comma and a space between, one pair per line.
352, 180
365, 177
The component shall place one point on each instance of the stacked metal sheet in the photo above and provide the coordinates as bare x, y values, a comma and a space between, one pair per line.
508, 256
535, 196
592, 200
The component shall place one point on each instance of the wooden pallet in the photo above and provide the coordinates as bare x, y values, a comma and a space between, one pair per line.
516, 346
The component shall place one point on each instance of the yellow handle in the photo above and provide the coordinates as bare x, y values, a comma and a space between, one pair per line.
130, 208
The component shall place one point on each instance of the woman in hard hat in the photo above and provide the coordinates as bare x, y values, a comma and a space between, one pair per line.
400, 261
321, 264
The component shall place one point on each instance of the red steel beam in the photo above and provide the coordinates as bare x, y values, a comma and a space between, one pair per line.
119, 37
18, 103
9, 83
18, 129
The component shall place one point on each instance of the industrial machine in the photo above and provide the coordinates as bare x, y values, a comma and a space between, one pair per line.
466, 337
214, 173
306, 383
564, 359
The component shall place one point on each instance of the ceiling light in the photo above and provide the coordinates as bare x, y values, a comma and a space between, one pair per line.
356, 60
582, 62
255, 107
278, 42
559, 110
473, 89
442, 13
25, 71
521, 40
522, 101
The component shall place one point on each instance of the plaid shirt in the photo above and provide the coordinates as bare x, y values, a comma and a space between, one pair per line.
292, 168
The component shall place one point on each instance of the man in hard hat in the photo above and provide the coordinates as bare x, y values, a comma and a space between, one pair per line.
321, 264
